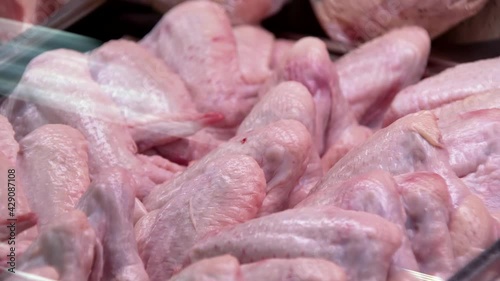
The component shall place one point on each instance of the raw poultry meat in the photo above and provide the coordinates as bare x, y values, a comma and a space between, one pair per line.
239, 11
255, 48
472, 229
410, 142
222, 268
280, 49
26, 119
371, 75
195, 147
352, 137
352, 22
281, 149
428, 208
470, 127
239, 60
13, 9
308, 62
139, 211
249, 201
227, 268
153, 100
304, 269
196, 40
254, 64
284, 150
374, 192
353, 239
16, 16
109, 204
54, 165
471, 145
288, 100
413, 143
472, 142
77, 101
68, 246
30, 11
425, 219
212, 194
45, 8
451, 85
8, 145
450, 112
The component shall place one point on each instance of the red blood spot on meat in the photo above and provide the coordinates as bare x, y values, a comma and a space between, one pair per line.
243, 140
218, 38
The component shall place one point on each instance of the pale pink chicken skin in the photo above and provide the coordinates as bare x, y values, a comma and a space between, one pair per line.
69, 246
239, 11
308, 62
449, 113
109, 205
196, 41
193, 148
255, 47
17, 16
371, 75
227, 268
26, 119
54, 164
285, 152
428, 207
350, 239
352, 22
312, 175
374, 192
472, 230
304, 269
77, 101
475, 161
413, 143
31, 11
139, 211
281, 149
280, 49
209, 196
288, 100
222, 268
451, 85
474, 149
351, 138
153, 99
8, 144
